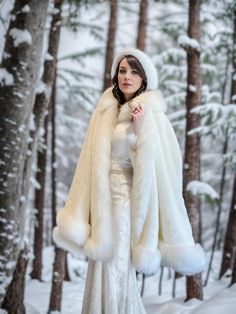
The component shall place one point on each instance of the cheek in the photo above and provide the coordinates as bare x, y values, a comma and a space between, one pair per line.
119, 79
138, 82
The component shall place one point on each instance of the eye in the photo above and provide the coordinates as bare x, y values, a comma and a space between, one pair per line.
121, 71
135, 72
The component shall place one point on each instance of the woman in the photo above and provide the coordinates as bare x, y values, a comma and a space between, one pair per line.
125, 208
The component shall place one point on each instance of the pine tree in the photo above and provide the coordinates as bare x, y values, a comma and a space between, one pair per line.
20, 69
142, 25
192, 142
111, 36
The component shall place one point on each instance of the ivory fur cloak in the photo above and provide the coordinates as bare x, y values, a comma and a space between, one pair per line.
160, 229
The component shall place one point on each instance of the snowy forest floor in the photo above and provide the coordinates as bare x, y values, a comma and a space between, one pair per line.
218, 299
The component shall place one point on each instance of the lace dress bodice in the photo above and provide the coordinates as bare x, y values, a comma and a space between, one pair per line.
120, 144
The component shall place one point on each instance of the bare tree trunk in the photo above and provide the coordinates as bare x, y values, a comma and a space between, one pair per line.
53, 155
224, 151
218, 213
160, 281
60, 255
39, 206
176, 276
110, 44
14, 298
17, 90
67, 274
41, 104
192, 143
233, 279
57, 281
230, 237
142, 25
143, 285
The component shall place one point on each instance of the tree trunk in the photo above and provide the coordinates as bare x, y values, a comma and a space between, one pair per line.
57, 281
142, 25
230, 237
39, 206
192, 143
53, 155
233, 279
160, 281
60, 255
14, 298
110, 44
225, 146
22, 51
41, 104
67, 274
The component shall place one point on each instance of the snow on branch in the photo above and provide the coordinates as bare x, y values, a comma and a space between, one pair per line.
187, 42
199, 188
216, 119
20, 36
212, 108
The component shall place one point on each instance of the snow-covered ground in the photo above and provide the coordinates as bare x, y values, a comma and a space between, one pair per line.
218, 298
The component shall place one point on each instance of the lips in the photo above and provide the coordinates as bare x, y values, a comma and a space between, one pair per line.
126, 84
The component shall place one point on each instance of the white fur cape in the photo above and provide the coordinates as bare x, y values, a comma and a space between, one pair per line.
161, 232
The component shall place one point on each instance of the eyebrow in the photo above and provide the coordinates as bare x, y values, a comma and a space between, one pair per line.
123, 67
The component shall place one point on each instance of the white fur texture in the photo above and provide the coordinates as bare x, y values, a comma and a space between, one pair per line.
63, 242
146, 62
98, 251
187, 260
158, 211
146, 261
75, 230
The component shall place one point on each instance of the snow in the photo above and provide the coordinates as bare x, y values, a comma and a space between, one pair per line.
202, 188
218, 298
41, 87
20, 36
192, 88
6, 78
10, 265
25, 9
48, 57
32, 125
221, 303
188, 42
10, 121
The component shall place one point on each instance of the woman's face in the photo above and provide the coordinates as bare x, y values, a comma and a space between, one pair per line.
129, 80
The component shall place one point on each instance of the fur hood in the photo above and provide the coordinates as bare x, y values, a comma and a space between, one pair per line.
161, 232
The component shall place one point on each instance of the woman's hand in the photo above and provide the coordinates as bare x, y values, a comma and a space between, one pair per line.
137, 115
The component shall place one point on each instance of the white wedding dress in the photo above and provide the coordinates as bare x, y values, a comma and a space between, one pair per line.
111, 287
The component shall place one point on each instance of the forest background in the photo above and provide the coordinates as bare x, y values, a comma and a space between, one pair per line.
55, 61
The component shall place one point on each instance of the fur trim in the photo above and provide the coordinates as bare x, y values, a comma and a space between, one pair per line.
187, 260
76, 231
102, 252
153, 100
146, 62
146, 261
63, 242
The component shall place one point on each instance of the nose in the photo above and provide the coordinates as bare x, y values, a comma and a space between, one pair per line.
127, 75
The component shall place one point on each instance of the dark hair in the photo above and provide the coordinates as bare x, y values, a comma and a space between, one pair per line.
134, 64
